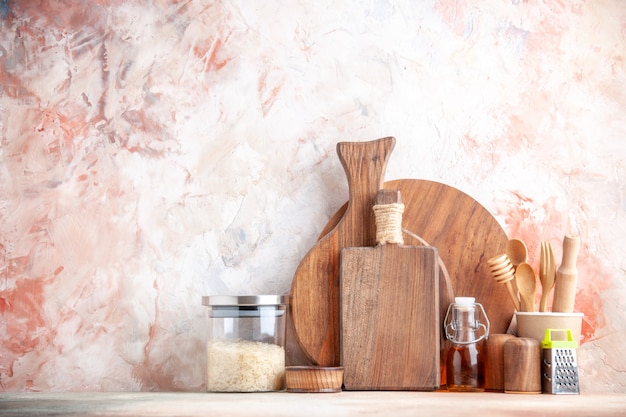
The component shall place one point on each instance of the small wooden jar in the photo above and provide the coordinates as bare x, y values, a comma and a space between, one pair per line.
494, 361
522, 366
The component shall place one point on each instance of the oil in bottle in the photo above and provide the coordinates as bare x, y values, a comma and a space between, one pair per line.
465, 366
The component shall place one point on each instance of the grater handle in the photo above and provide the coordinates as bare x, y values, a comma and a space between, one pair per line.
549, 343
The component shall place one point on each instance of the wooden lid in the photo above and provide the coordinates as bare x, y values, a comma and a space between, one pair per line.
313, 378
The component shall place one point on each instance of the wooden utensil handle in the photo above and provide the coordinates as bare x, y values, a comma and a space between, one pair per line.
365, 164
567, 277
571, 247
564, 292
513, 294
543, 303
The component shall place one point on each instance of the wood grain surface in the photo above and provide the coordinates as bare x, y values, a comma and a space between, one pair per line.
390, 318
313, 379
494, 361
314, 302
465, 235
522, 366
286, 404
390, 309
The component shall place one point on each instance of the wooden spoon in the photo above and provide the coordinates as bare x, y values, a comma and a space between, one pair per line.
526, 284
547, 273
517, 251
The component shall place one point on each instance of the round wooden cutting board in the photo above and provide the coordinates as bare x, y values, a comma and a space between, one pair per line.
465, 235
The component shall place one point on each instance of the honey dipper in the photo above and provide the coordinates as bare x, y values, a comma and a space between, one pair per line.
502, 271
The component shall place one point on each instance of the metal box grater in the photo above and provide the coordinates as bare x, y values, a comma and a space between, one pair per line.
559, 369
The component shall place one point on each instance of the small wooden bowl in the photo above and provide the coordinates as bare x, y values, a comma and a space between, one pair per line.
313, 378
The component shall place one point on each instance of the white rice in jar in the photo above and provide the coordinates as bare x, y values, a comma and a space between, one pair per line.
245, 366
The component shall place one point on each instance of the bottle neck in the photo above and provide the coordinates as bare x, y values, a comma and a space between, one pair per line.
465, 336
465, 325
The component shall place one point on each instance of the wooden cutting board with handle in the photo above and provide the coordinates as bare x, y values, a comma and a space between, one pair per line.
465, 234
314, 298
390, 330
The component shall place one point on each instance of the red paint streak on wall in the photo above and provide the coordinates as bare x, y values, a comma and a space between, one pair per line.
213, 62
21, 313
592, 279
151, 372
268, 93
152, 133
212, 51
12, 85
60, 131
59, 15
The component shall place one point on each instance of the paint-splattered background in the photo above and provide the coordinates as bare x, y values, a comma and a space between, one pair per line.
155, 151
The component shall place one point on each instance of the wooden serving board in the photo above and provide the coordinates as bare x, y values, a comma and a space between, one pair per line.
314, 301
465, 235
390, 328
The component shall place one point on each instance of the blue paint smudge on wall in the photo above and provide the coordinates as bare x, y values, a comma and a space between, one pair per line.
4, 8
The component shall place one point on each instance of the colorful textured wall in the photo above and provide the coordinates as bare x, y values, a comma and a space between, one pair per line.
155, 151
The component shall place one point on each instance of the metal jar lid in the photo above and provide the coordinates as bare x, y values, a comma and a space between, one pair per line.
243, 300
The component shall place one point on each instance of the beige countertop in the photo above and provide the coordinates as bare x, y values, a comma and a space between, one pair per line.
396, 404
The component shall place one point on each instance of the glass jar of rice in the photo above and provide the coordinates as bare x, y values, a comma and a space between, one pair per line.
246, 344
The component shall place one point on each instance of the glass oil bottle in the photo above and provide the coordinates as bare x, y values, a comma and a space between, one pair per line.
465, 366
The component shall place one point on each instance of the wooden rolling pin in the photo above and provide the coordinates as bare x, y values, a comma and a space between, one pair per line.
567, 276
